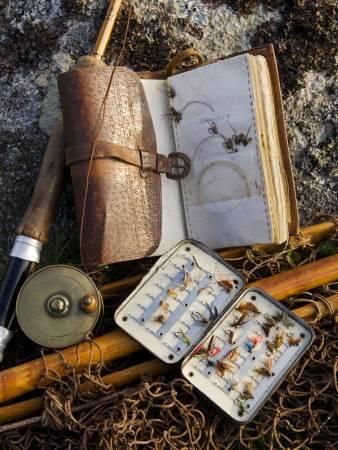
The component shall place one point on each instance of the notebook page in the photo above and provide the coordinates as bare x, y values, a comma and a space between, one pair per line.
224, 194
173, 220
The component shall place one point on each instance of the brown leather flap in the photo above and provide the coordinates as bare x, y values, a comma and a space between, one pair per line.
122, 212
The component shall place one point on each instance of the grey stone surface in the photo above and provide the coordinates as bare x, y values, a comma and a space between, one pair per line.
42, 38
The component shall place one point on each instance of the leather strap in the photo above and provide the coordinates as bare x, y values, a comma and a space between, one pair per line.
145, 160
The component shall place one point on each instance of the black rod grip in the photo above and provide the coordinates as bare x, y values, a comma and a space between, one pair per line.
16, 274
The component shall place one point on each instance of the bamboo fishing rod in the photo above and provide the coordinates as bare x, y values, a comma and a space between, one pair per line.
106, 29
310, 235
301, 279
131, 374
24, 378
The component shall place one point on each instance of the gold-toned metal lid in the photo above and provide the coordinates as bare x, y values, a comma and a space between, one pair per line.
58, 306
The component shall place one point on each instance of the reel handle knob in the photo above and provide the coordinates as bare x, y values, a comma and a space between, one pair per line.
89, 304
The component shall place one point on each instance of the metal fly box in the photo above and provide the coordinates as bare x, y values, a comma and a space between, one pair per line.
175, 304
237, 346
247, 354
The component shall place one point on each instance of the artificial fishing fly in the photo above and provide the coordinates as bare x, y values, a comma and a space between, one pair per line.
170, 91
213, 312
232, 384
229, 145
185, 338
253, 342
248, 391
224, 366
210, 344
233, 354
262, 371
160, 318
210, 362
164, 305
164, 314
241, 138
205, 288
187, 279
247, 307
212, 128
267, 325
241, 407
172, 293
200, 350
293, 341
213, 349
233, 335
276, 342
278, 316
270, 319
265, 370
226, 284
200, 318
282, 317
239, 321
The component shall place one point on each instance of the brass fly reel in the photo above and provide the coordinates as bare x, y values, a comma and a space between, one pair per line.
58, 306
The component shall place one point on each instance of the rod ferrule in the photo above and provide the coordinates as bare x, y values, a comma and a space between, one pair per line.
26, 248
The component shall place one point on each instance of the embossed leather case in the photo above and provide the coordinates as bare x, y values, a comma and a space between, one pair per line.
119, 204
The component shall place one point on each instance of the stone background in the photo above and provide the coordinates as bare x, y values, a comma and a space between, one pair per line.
42, 38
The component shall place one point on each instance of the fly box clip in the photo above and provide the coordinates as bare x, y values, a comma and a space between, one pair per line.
237, 345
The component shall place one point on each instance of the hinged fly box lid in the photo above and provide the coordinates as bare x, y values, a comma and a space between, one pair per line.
185, 292
246, 355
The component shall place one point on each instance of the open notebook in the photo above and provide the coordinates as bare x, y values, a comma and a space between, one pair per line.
223, 116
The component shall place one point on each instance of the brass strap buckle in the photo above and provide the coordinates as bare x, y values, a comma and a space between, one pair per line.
176, 165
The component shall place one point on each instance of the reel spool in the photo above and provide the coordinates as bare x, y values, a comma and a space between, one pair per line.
58, 306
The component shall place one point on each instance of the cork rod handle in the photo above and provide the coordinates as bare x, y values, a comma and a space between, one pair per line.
40, 213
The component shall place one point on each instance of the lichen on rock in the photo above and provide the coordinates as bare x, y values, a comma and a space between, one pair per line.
41, 38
